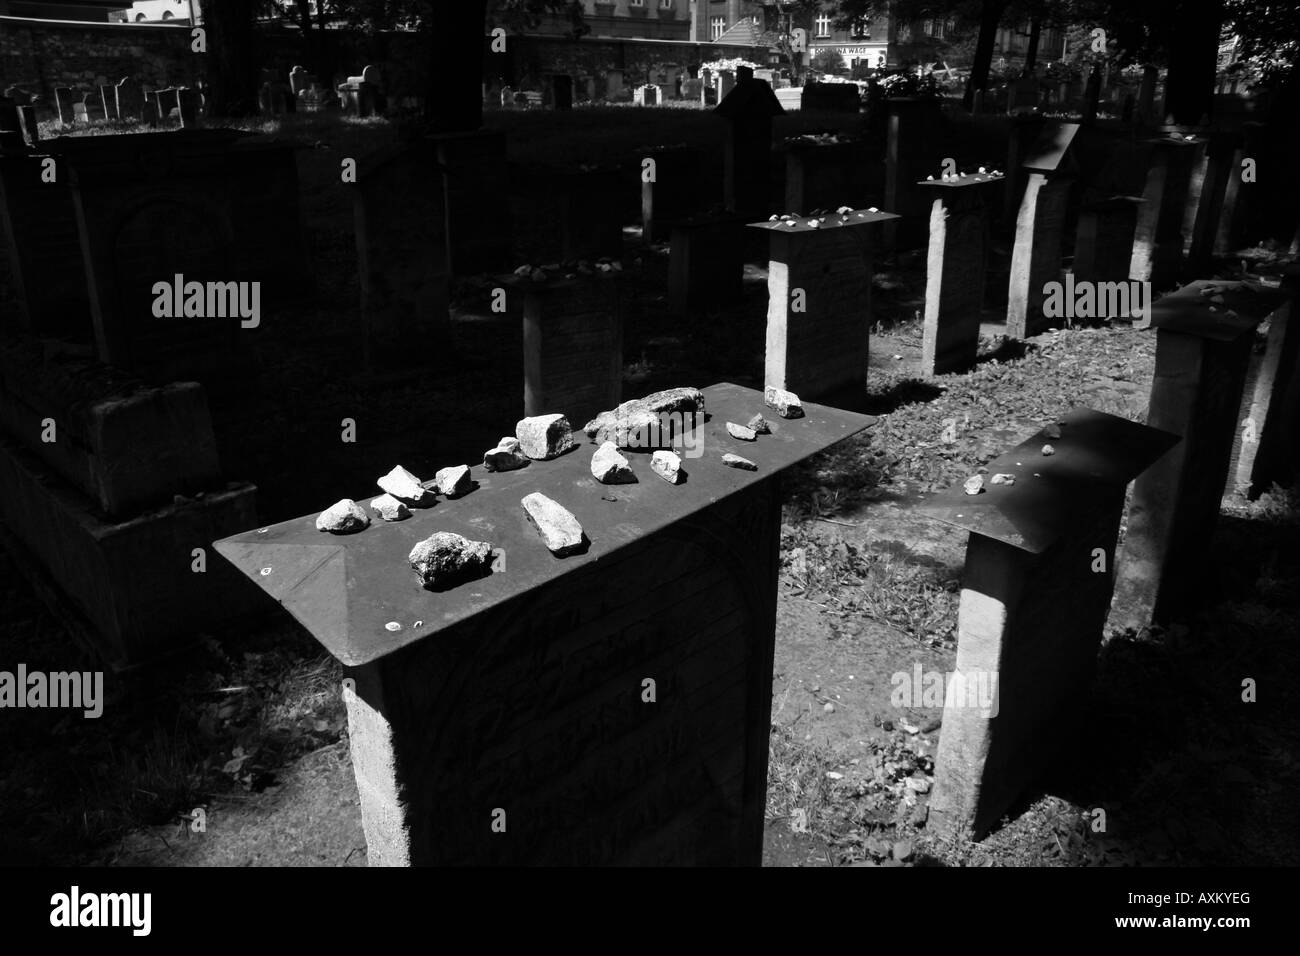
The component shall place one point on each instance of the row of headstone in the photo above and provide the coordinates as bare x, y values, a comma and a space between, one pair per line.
128, 100
364, 95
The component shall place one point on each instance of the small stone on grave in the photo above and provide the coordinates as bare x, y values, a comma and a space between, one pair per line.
543, 437
401, 484
389, 508
973, 485
610, 468
445, 557
735, 461
637, 423
741, 432
1049, 450
786, 403
1001, 478
760, 425
454, 480
507, 456
667, 465
343, 517
558, 528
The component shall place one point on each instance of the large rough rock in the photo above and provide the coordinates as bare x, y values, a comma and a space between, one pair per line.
735, 461
640, 423
403, 485
667, 465
558, 528
610, 468
507, 456
741, 432
543, 437
786, 403
343, 517
453, 481
445, 558
760, 425
390, 508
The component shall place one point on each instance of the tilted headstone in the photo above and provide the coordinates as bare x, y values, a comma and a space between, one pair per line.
954, 272
1036, 253
675, 192
1211, 177
63, 101
819, 302
1025, 131
108, 102
1234, 213
748, 111
1036, 586
130, 99
517, 702
1268, 415
31, 125
1204, 335
1158, 243
573, 345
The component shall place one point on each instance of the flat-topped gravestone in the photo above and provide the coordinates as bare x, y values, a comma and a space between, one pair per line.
1103, 244
1035, 590
824, 172
609, 707
402, 258
1204, 335
1257, 460
748, 110
1036, 254
819, 301
573, 345
912, 150
954, 271
1158, 242
706, 265
672, 188
1219, 167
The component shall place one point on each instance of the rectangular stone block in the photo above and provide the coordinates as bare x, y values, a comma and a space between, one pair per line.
132, 581
912, 153
108, 101
706, 265
677, 190
1036, 254
1158, 240
612, 707
124, 445
1035, 591
573, 347
1265, 422
1201, 362
819, 302
1103, 245
954, 273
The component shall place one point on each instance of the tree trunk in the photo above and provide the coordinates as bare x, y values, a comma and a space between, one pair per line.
453, 100
1193, 60
232, 71
1031, 52
990, 17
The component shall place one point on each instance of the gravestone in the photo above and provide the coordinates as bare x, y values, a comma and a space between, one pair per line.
1103, 245
676, 192
561, 91
824, 174
108, 102
1036, 254
912, 151
1235, 212
1146, 101
63, 102
1204, 335
573, 346
187, 107
726, 82
476, 191
747, 112
706, 265
647, 95
1265, 421
402, 259
1026, 128
1201, 225
31, 126
1032, 612
954, 272
130, 99
11, 126
300, 80
819, 302
1023, 95
1158, 241
80, 115
590, 223
520, 698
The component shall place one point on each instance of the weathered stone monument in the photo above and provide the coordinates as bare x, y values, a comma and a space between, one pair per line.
819, 301
574, 710
954, 271
1204, 335
573, 345
748, 110
1036, 255
912, 151
1026, 128
1035, 591
675, 192
402, 259
646, 95
1158, 243
1268, 415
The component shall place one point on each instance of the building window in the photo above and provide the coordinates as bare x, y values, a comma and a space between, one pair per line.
717, 26
665, 4
823, 25
636, 3
860, 30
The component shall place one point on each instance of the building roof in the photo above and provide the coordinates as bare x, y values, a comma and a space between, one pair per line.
747, 33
